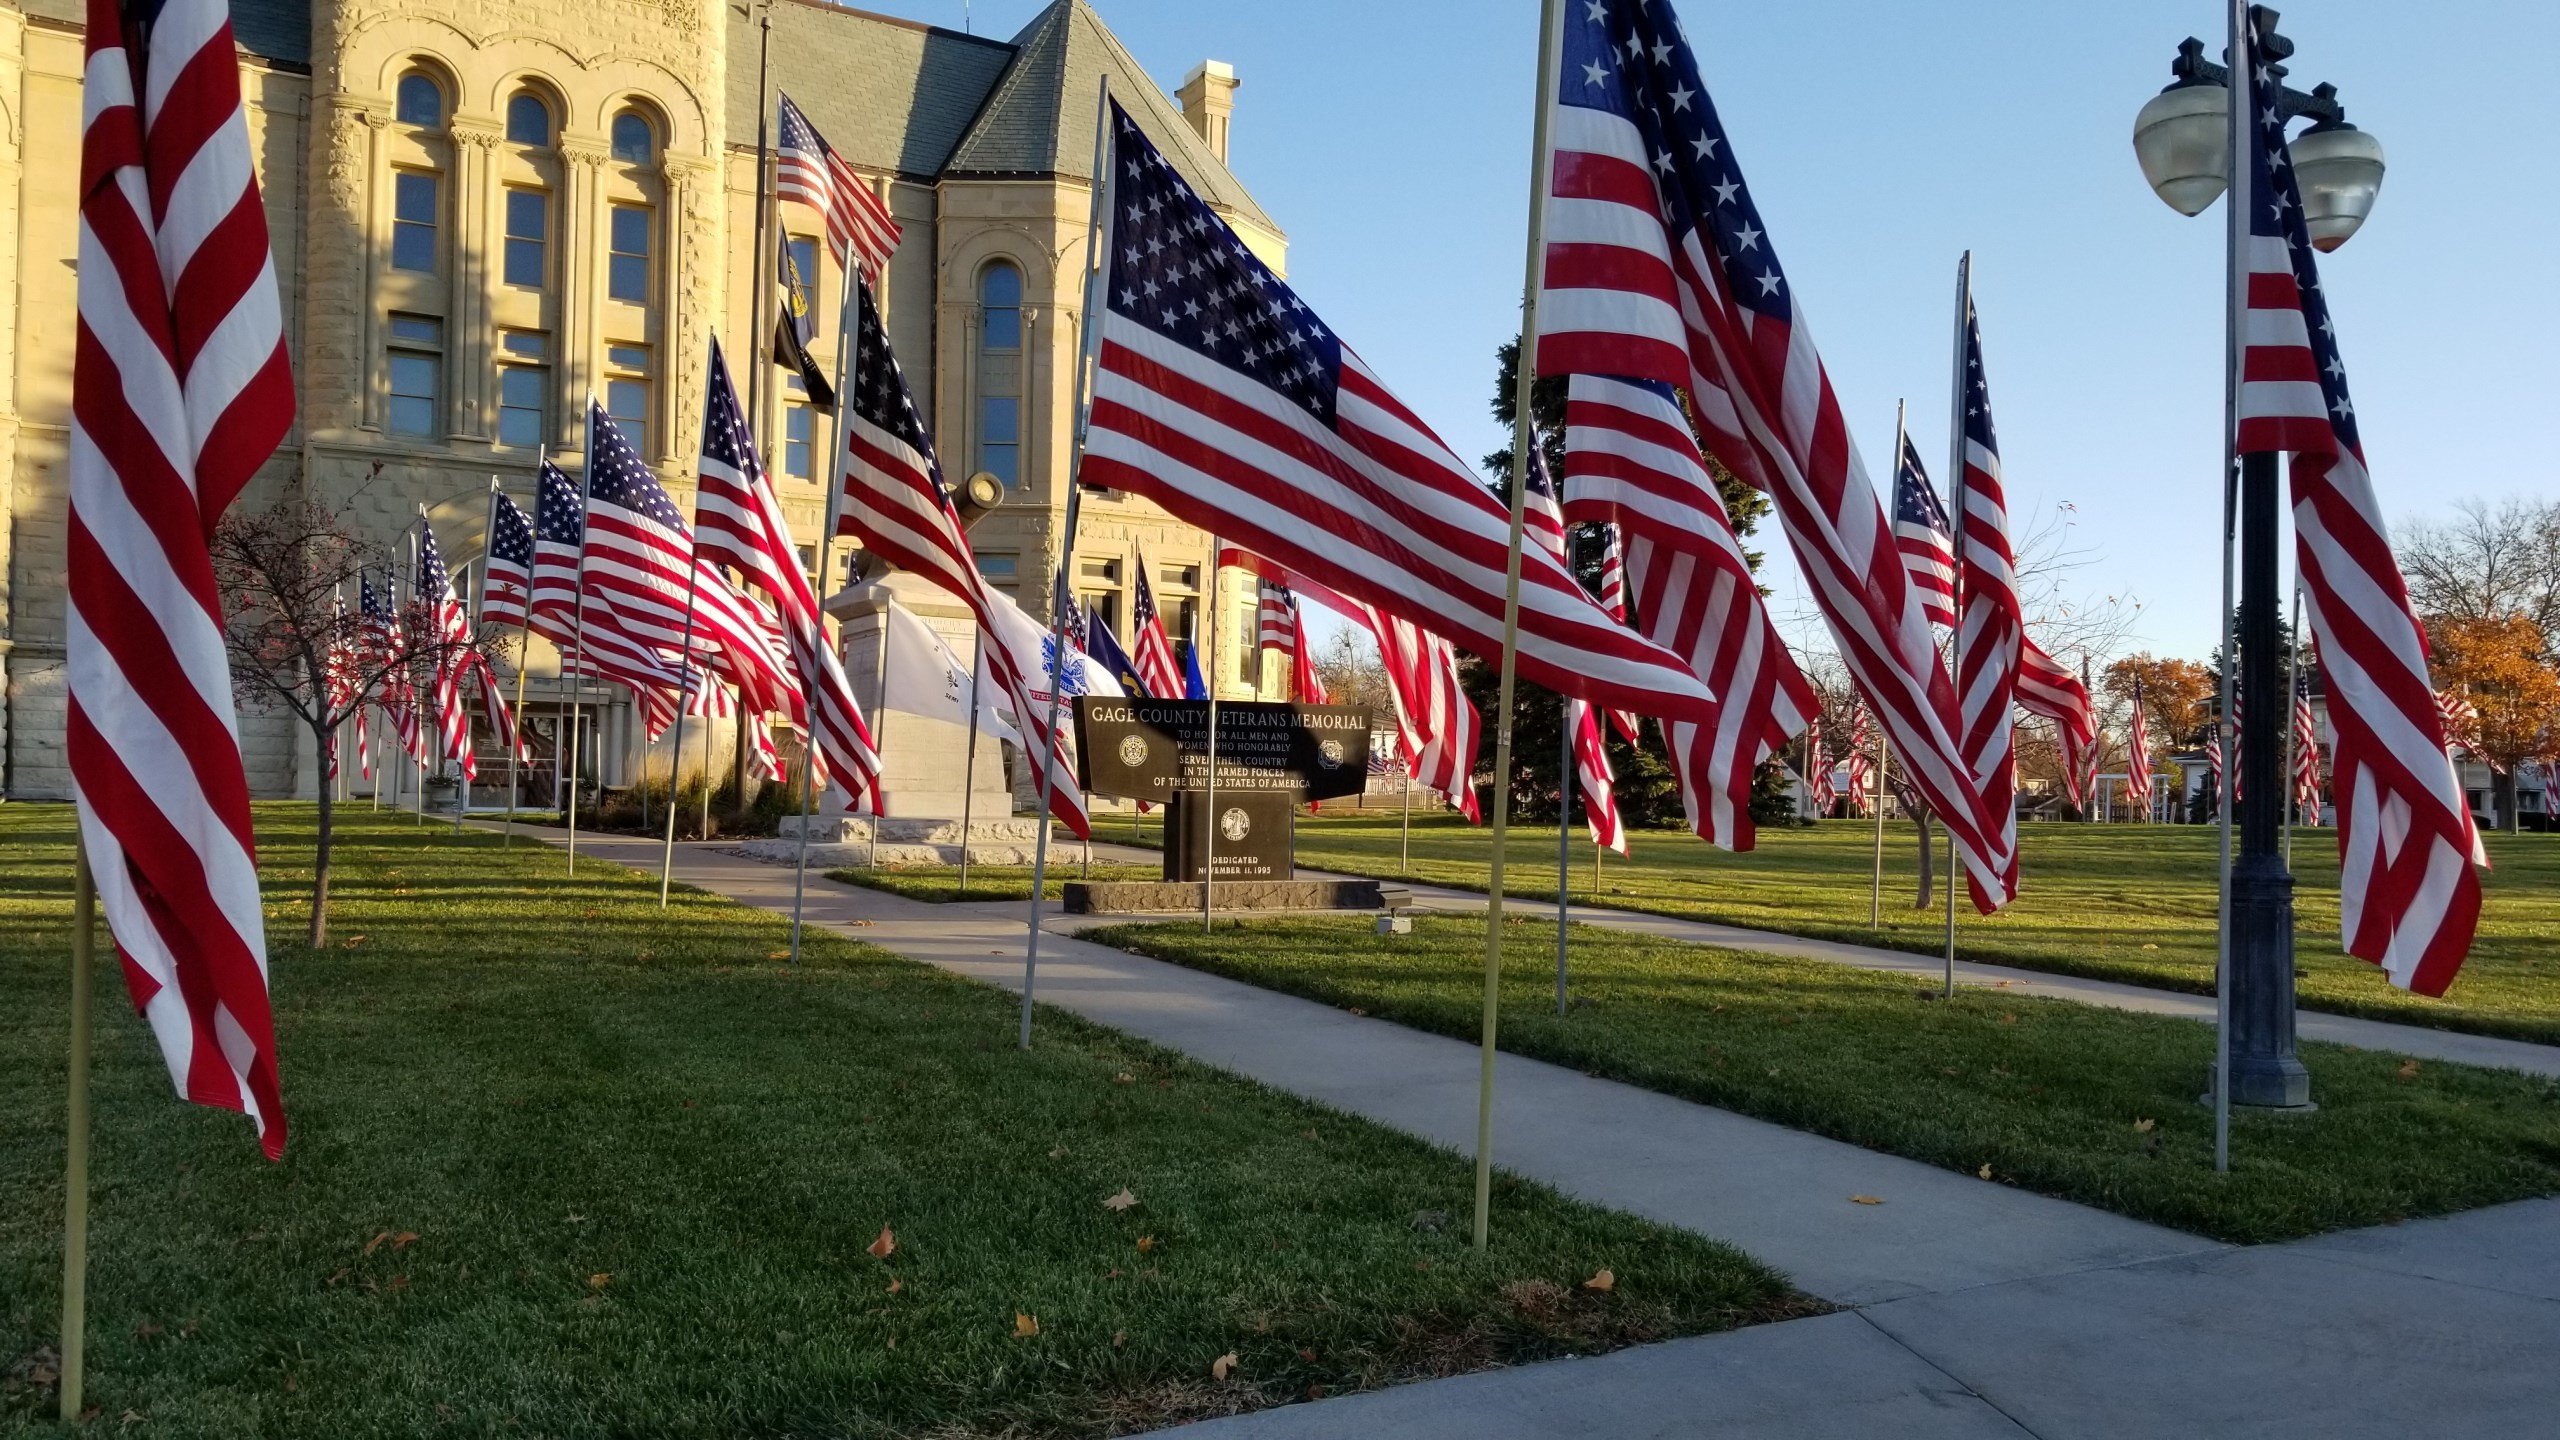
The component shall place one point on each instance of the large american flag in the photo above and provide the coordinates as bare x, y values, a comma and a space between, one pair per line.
179, 393
449, 633
1158, 671
1993, 633
1658, 268
643, 569
506, 570
860, 230
1631, 461
895, 504
2409, 895
1221, 396
1921, 533
739, 524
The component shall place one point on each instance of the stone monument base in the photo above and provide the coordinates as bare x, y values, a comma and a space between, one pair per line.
840, 840
1175, 897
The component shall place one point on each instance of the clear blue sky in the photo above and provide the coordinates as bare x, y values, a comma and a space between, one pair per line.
1882, 139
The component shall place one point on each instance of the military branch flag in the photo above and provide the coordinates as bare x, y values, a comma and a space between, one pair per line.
894, 503
860, 230
506, 571
1922, 534
179, 393
1631, 462
739, 523
2409, 892
1220, 396
1657, 268
795, 327
1104, 649
1157, 673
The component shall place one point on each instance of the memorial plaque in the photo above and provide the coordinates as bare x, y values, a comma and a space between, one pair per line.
1254, 831
1157, 749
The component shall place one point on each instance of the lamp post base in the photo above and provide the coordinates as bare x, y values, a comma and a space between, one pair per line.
2266, 1073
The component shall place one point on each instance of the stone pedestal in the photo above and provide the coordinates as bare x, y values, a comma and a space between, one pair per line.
924, 758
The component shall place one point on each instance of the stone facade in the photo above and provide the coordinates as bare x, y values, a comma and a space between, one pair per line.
457, 280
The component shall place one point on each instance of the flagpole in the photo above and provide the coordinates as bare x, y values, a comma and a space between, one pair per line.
758, 350
1209, 777
479, 616
848, 342
578, 633
1564, 847
969, 767
1524, 433
417, 698
75, 1193
1955, 510
1086, 343
1875, 797
675, 752
1404, 762
2292, 727
2241, 107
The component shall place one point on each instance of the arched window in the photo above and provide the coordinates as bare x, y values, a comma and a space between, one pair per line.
1000, 372
528, 119
635, 141
421, 100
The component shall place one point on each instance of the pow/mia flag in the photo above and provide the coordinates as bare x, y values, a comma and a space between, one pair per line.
792, 333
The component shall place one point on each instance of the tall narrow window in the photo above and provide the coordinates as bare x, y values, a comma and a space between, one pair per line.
416, 357
1000, 571
1098, 589
528, 237
799, 437
1000, 373
416, 200
524, 387
528, 120
627, 275
634, 141
626, 392
419, 100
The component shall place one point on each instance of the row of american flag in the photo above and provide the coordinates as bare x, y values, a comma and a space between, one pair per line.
1219, 394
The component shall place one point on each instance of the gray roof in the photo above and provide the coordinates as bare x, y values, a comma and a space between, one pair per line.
275, 30
846, 68
1039, 121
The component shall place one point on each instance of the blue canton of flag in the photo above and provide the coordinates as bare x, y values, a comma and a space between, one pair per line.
557, 516
617, 476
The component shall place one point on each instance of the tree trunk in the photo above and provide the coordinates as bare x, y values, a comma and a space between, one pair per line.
320, 861
1928, 860
2502, 789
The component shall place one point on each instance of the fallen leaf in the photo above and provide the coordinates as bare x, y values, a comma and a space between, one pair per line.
145, 1330
2408, 1069
404, 1239
2144, 1125
881, 1247
1146, 1244
1223, 1366
1024, 1325
2150, 947
1356, 1010
896, 1285
1604, 1282
1866, 1199
1307, 1355
376, 1242
2008, 1019
1058, 1152
1122, 1201
1119, 1338
350, 942
599, 1280
1985, 1172
1124, 1078
777, 954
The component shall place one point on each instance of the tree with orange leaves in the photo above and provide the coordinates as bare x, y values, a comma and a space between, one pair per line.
2502, 667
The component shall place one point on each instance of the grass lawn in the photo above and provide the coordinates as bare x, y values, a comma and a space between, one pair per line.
941, 883
565, 1165
2092, 1105
2117, 902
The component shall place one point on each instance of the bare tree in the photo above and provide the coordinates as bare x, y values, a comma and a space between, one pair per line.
2487, 562
287, 574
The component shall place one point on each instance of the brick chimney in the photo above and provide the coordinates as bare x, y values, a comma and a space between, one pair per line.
1208, 97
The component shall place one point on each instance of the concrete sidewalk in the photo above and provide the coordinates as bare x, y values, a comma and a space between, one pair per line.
1978, 1310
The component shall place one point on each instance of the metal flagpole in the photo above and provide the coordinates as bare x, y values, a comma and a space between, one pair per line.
848, 343
969, 767
2292, 728
1086, 346
760, 340
1208, 821
1955, 512
578, 641
704, 682
2243, 113
479, 614
1884, 763
1524, 433
879, 729
1564, 848
75, 1149
1405, 826
417, 695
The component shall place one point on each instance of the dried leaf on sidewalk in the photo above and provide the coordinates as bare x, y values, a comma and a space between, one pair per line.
1866, 1199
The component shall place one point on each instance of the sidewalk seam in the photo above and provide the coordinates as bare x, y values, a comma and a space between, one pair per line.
1953, 1378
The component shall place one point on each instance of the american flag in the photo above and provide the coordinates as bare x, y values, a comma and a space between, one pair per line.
2137, 756
506, 571
895, 504
643, 569
1544, 519
180, 392
1221, 396
1613, 598
860, 230
2306, 751
1657, 268
1632, 462
1817, 770
740, 525
1862, 761
589, 639
1994, 631
2213, 754
1922, 534
1158, 672
389, 634
2461, 720
2409, 894
1276, 616
449, 632
1305, 683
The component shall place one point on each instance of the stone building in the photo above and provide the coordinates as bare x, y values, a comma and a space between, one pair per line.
485, 210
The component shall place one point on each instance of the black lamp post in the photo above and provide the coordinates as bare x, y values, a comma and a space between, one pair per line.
2182, 141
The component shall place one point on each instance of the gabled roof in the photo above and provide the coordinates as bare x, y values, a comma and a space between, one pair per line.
889, 95
1039, 121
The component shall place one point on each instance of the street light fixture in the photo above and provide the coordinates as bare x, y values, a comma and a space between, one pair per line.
2184, 147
